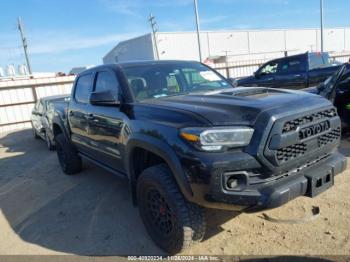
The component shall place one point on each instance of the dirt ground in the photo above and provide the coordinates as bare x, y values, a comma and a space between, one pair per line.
43, 211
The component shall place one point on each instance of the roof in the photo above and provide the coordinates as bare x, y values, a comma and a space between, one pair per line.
136, 63
123, 42
152, 62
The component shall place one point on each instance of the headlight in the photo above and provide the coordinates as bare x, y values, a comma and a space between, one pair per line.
216, 139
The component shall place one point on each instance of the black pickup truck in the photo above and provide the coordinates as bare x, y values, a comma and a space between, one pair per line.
292, 72
187, 140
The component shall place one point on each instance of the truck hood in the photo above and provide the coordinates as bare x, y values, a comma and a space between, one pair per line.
239, 106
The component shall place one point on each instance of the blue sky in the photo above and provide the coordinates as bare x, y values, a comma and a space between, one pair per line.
66, 33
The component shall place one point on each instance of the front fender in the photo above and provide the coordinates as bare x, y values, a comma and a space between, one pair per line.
162, 149
57, 120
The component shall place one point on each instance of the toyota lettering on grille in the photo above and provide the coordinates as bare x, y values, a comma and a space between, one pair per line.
314, 129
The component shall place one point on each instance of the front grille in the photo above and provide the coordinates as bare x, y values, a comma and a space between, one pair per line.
329, 137
287, 153
295, 123
296, 140
260, 179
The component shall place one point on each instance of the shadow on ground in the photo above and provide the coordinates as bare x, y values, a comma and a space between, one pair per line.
87, 214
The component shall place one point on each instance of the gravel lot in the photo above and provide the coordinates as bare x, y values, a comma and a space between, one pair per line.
43, 211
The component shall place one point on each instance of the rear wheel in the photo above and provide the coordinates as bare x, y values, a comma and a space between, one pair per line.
68, 157
172, 222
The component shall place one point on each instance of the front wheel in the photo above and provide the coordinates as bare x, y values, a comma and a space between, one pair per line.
172, 222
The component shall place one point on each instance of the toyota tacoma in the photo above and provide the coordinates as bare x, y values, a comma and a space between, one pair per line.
187, 140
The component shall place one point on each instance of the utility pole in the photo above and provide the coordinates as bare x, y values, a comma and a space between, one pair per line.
198, 30
153, 23
24, 43
321, 13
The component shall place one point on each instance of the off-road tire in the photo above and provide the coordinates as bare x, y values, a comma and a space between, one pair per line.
68, 157
188, 223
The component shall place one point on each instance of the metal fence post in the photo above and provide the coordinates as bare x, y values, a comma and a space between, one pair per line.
35, 96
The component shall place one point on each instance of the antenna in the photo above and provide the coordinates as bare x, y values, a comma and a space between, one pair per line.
24, 43
153, 23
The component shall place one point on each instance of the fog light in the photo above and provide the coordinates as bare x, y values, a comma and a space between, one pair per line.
235, 181
232, 183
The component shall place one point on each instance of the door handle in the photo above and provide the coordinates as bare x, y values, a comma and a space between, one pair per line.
297, 75
90, 117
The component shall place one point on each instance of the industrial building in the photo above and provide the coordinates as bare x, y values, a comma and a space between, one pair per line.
238, 45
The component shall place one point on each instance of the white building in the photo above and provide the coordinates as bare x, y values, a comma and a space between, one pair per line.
237, 44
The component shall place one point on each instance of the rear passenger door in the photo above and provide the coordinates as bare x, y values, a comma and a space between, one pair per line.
106, 124
292, 73
78, 115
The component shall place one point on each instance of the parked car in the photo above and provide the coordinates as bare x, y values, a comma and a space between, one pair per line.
293, 72
41, 118
187, 140
337, 89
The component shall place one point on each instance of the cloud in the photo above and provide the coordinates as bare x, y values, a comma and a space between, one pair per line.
58, 46
42, 42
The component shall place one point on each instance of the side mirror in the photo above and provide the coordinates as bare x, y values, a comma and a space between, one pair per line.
256, 74
104, 98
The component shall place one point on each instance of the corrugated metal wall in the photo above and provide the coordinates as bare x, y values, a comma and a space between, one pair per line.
17, 98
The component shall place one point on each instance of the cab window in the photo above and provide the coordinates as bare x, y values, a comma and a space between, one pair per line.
292, 66
106, 81
83, 88
269, 69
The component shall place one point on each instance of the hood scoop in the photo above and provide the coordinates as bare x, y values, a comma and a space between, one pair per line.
253, 92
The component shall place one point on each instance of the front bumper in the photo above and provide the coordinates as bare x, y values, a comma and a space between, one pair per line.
275, 193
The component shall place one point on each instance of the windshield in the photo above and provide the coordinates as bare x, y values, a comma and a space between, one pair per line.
158, 80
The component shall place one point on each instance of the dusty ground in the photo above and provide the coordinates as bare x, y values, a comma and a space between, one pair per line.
43, 211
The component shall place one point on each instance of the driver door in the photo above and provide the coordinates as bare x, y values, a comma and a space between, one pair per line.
106, 124
266, 75
342, 97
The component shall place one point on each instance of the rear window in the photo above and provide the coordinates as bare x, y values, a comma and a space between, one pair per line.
318, 60
83, 88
